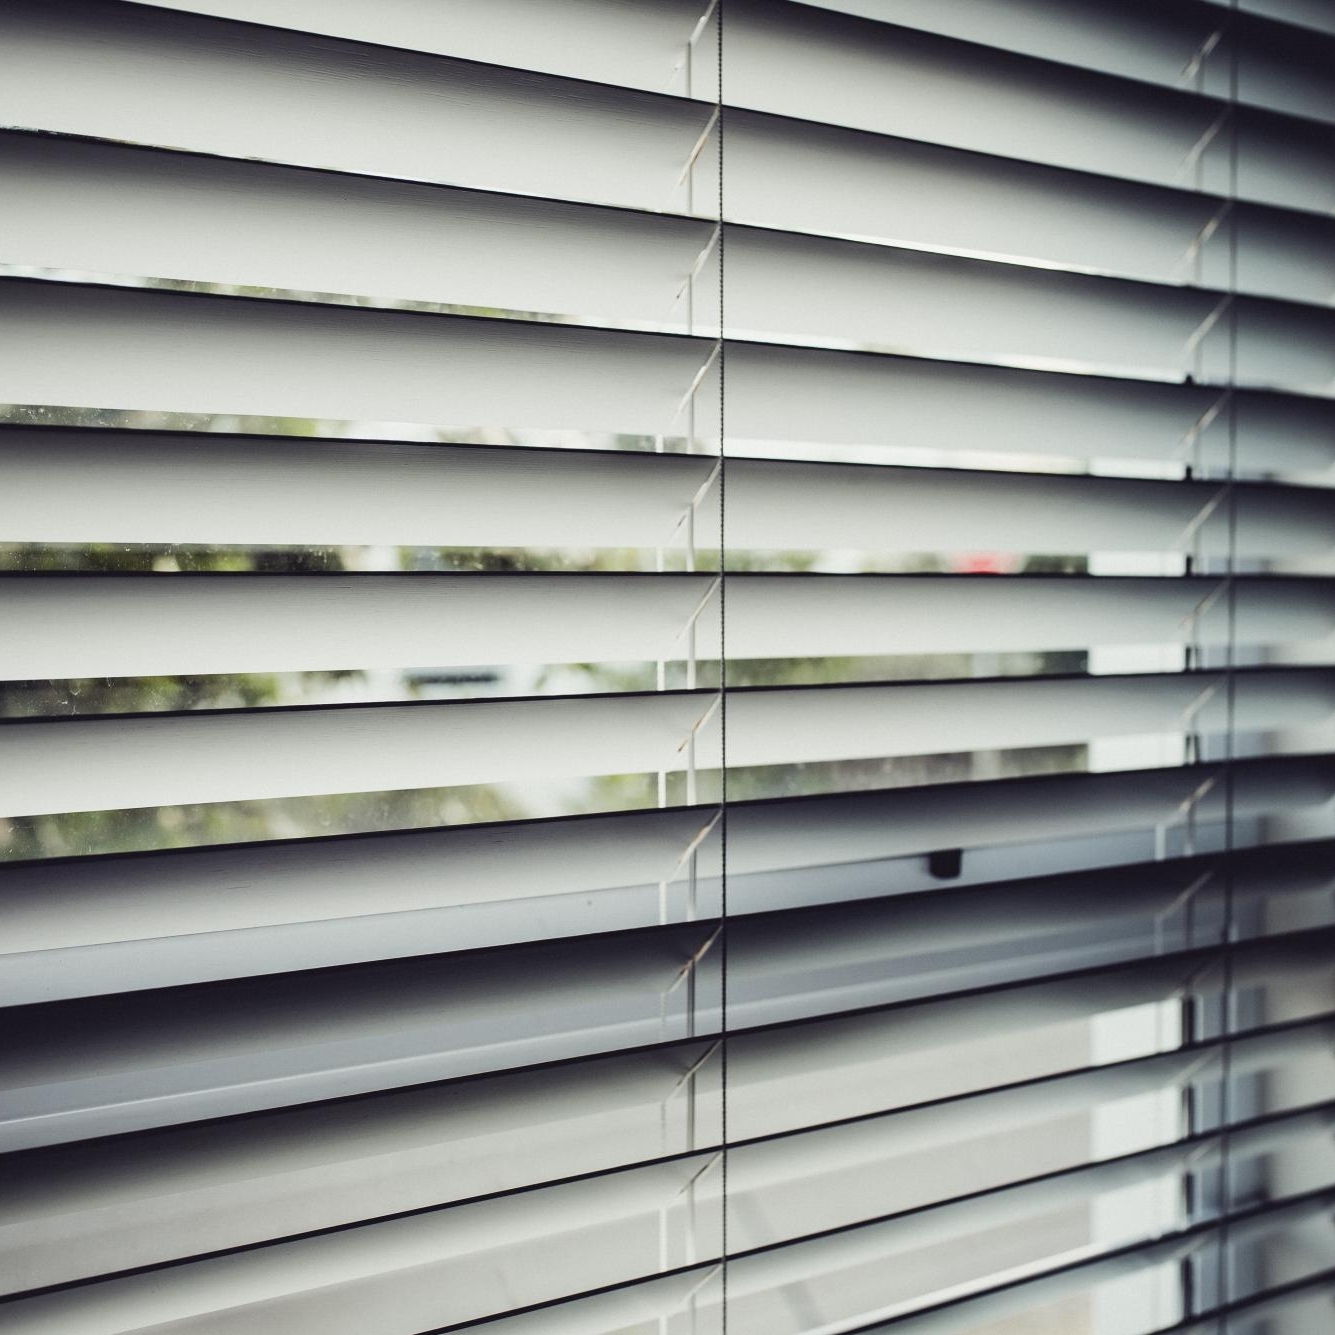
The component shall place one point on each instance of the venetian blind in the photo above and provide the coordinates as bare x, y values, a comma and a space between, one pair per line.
666, 667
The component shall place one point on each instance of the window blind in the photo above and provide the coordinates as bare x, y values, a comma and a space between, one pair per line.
667, 668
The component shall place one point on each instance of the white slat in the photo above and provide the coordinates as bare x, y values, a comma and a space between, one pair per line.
948, 1046
78, 486
105, 208
1047, 1296
147, 761
106, 1065
1313, 14
114, 209
843, 506
155, 76
893, 190
404, 1275
159, 920
642, 48
855, 827
782, 58
118, 348
432, 1146
152, 625
778, 616
840, 398
496, 1232
110, 1064
1176, 43
112, 625
71, 486
304, 1168
54, 906
452, 1265
844, 1277
850, 1177
847, 183
638, 46
843, 294
796, 60
105, 763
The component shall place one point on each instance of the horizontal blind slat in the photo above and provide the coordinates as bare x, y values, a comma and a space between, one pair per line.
1018, 1198
852, 827
449, 1143
199, 890
1249, 1140
391, 1256
81, 1068
1176, 43
157, 76
107, 763
210, 758
774, 504
892, 190
65, 485
795, 60
111, 348
840, 398
233, 1183
76, 486
103, 208
96, 926
774, 616
971, 309
475, 878
440, 1266
297, 624
1314, 14
628, 170
106, 1065
638, 46
783, 58
640, 49
1032, 1294
117, 625
119, 348
116, 209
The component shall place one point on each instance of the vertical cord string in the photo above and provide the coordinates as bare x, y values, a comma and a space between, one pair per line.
723, 690
1224, 1281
